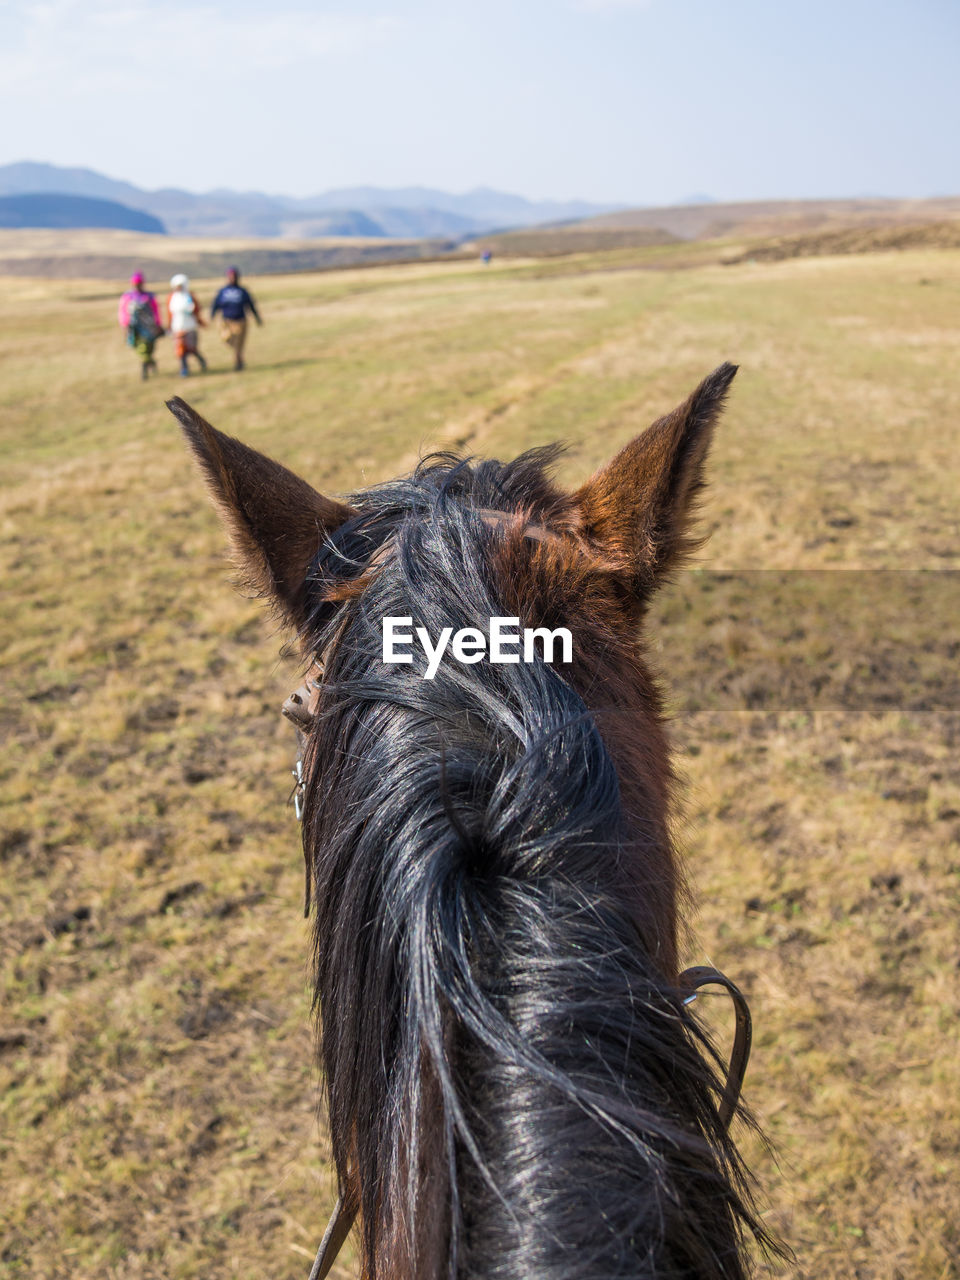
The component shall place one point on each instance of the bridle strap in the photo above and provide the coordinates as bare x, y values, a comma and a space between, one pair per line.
301, 708
334, 1238
701, 975
691, 980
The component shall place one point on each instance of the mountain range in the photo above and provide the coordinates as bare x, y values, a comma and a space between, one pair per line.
407, 212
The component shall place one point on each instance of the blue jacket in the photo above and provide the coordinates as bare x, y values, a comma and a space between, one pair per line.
233, 302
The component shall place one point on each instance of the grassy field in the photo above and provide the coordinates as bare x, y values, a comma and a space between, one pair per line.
157, 1091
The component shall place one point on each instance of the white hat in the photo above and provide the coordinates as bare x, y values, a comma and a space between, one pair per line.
178, 279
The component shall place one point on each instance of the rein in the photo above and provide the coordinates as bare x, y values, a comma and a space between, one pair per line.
301, 708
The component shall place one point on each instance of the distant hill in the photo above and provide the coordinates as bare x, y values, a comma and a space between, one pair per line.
54, 209
112, 255
581, 237
338, 222
483, 205
710, 221
415, 212
28, 176
403, 224
803, 226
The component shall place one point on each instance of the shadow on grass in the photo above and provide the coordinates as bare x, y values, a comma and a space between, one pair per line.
854, 640
255, 367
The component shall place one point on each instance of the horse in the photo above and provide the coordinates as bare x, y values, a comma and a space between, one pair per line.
515, 1084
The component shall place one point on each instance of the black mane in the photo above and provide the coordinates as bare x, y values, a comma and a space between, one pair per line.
511, 1078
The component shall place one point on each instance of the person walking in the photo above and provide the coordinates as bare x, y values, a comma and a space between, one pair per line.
139, 317
233, 302
184, 321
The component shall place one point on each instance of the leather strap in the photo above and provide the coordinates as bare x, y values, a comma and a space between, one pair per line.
338, 1228
301, 706
702, 975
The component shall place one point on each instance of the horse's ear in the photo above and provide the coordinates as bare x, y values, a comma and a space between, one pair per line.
640, 506
275, 520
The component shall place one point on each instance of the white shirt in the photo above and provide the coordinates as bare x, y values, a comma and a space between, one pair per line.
183, 317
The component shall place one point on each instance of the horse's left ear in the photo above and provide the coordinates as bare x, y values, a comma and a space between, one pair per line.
640, 506
275, 520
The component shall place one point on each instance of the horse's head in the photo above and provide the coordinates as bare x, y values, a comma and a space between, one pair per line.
587, 560
495, 888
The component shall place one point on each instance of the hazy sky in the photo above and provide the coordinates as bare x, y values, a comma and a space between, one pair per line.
632, 101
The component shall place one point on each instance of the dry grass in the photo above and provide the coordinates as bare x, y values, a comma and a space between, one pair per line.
156, 1087
858, 239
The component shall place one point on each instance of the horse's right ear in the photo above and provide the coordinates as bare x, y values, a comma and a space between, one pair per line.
640, 507
275, 520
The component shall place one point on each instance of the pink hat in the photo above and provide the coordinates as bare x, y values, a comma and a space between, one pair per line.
136, 278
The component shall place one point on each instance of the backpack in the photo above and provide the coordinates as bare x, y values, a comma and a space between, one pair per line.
142, 322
